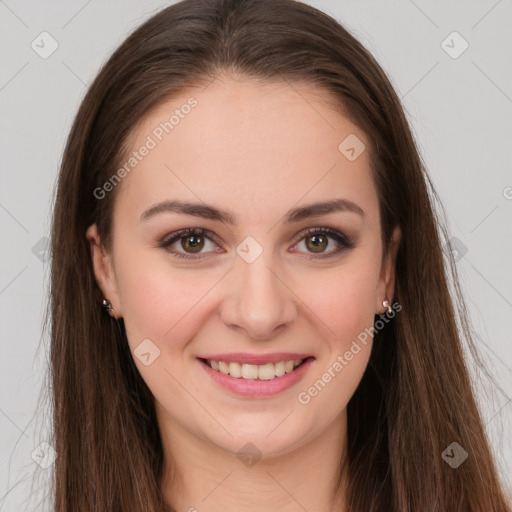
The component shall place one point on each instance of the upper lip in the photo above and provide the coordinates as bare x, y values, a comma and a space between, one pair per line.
245, 358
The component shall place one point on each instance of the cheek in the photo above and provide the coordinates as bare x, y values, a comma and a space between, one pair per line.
344, 300
167, 307
158, 303
346, 308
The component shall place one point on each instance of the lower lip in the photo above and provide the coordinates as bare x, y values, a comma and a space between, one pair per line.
256, 387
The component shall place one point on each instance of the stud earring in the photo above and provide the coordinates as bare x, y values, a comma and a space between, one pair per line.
386, 304
107, 305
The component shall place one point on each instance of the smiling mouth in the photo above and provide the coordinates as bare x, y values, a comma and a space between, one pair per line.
267, 371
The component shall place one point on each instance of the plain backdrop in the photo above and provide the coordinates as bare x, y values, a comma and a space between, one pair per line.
449, 62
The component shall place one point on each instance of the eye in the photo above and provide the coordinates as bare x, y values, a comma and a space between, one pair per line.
317, 240
191, 240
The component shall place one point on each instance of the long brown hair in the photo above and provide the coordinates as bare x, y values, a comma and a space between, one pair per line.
415, 398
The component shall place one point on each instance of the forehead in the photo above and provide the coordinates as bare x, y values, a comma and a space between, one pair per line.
250, 145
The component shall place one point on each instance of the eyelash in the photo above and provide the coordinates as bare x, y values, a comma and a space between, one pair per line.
342, 240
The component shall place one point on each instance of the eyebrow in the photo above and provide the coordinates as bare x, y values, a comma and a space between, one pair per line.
210, 212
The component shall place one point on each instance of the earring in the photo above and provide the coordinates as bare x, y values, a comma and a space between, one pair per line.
386, 304
107, 305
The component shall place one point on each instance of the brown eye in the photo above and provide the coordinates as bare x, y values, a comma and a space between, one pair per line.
192, 243
324, 242
316, 243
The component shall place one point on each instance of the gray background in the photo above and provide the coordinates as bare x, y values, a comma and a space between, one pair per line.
460, 110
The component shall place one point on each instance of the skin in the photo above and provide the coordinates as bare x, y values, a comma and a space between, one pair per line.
257, 150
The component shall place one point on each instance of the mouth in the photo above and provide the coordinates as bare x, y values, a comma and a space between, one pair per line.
251, 380
268, 371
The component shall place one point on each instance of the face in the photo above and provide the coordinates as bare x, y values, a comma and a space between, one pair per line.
249, 326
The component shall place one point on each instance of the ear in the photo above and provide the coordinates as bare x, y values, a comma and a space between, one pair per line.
104, 270
386, 287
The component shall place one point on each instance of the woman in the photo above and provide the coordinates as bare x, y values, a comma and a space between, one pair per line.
242, 194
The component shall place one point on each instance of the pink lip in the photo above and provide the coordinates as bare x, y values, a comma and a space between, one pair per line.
243, 358
256, 387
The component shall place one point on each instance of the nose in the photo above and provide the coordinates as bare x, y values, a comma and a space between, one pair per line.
258, 299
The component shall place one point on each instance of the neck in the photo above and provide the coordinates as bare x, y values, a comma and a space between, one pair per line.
204, 477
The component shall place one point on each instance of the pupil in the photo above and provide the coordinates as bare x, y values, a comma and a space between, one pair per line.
318, 241
193, 241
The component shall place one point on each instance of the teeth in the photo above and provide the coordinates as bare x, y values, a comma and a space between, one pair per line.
224, 368
235, 370
249, 371
279, 368
255, 371
266, 371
